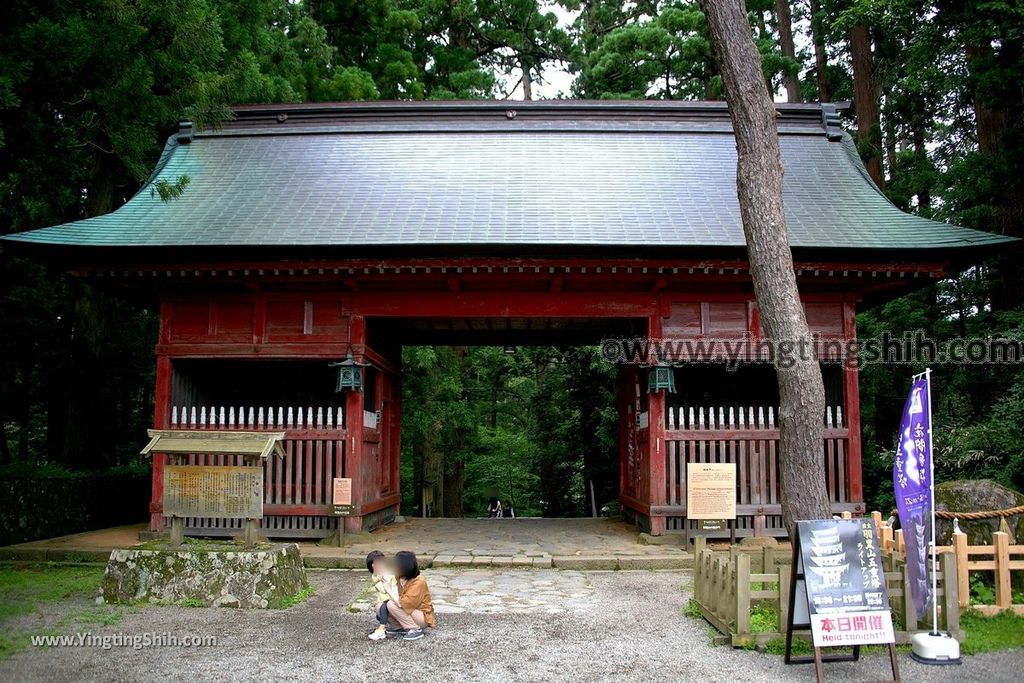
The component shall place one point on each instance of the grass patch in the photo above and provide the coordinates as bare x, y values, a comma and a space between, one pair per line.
692, 610
24, 589
191, 602
298, 598
764, 618
1003, 631
778, 647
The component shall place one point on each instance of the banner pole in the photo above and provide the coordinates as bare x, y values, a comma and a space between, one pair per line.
931, 484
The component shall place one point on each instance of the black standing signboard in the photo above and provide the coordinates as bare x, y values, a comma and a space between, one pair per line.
838, 591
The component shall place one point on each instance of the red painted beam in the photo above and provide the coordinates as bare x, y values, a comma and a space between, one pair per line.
505, 304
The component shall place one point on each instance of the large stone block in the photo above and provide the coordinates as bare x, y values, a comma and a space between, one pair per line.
228, 577
977, 495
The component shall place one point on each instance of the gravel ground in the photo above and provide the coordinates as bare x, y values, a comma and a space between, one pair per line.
632, 629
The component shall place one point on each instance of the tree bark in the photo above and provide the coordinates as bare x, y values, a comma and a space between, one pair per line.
992, 121
820, 56
789, 80
527, 84
866, 96
759, 187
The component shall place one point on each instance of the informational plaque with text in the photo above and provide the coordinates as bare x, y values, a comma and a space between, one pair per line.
213, 491
710, 490
342, 491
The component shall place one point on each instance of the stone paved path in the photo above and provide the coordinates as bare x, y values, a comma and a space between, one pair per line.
495, 592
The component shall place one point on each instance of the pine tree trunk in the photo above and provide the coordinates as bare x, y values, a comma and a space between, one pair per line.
866, 101
820, 56
790, 80
924, 192
759, 187
527, 83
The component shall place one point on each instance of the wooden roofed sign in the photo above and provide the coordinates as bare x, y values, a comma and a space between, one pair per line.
230, 492
185, 441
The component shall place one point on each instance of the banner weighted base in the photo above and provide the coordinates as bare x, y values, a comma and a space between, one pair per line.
935, 648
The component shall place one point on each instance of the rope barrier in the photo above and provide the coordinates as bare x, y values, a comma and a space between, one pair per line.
984, 514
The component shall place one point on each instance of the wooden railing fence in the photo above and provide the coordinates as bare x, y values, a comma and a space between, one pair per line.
297, 488
728, 585
1000, 558
749, 437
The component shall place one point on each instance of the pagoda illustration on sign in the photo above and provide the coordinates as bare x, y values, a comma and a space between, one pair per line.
828, 559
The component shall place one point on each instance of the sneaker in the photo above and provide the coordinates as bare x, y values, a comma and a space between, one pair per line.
378, 634
395, 631
413, 634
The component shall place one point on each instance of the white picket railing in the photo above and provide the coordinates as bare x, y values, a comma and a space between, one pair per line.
736, 417
257, 417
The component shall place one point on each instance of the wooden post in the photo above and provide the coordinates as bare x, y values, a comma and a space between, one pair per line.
760, 525
743, 594
951, 591
177, 531
886, 539
900, 548
162, 401
1001, 555
963, 583
356, 465
851, 396
249, 534
784, 572
876, 517
656, 447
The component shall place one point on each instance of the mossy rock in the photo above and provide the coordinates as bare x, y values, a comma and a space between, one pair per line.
977, 495
210, 576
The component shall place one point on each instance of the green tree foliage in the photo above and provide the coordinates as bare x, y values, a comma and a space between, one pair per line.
88, 94
534, 427
90, 91
660, 50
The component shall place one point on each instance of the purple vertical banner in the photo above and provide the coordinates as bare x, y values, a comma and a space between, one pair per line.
910, 475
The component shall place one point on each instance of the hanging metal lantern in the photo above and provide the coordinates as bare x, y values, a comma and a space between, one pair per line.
350, 374
661, 378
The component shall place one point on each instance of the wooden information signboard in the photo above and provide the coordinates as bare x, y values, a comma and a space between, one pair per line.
342, 504
218, 491
711, 495
838, 591
711, 490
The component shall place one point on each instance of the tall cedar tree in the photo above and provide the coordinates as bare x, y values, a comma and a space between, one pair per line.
759, 186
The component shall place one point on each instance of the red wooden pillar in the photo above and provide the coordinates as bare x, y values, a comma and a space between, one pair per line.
851, 392
656, 444
354, 432
624, 385
395, 440
162, 400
